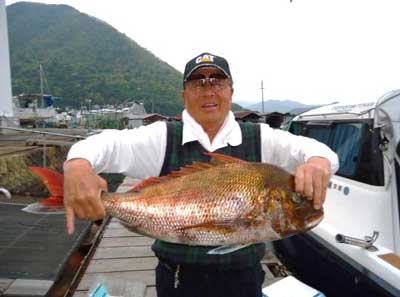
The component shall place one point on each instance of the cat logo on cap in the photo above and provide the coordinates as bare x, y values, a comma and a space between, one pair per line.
205, 59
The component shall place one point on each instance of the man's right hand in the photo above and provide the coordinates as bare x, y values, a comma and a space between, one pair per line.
82, 191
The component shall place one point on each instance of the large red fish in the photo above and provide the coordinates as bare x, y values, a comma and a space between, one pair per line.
223, 202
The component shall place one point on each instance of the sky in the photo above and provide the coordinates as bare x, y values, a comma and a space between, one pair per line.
310, 51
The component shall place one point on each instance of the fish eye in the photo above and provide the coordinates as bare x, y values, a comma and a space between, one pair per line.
296, 198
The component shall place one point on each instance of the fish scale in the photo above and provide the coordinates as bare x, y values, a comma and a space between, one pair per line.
224, 202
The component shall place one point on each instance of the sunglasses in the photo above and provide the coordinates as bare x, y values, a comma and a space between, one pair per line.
217, 81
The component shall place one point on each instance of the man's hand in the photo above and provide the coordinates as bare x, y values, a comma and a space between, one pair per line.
82, 190
312, 179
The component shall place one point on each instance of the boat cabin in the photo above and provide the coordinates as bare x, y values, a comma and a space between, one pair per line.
356, 248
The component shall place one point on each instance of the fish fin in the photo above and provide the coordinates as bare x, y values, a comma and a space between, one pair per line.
226, 249
145, 183
40, 208
53, 180
217, 159
54, 183
189, 169
227, 224
134, 229
224, 159
128, 226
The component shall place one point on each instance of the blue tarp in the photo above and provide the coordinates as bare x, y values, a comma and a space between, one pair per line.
48, 100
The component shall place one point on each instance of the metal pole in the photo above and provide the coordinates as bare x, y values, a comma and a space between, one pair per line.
262, 95
89, 115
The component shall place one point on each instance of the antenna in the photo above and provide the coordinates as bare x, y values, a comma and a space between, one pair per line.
262, 95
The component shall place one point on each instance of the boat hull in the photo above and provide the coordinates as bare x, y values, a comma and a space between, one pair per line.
318, 266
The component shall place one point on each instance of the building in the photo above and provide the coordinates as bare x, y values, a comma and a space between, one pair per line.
134, 121
247, 116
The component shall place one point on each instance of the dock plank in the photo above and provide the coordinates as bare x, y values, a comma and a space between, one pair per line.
114, 224
125, 264
120, 287
145, 276
126, 241
81, 293
119, 232
270, 258
268, 274
123, 252
151, 292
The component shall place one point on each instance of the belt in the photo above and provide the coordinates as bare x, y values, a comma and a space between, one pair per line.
201, 267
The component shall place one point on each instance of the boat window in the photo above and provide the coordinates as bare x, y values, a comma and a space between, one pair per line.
346, 142
322, 134
356, 144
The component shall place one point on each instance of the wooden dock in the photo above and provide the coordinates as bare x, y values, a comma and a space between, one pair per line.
123, 256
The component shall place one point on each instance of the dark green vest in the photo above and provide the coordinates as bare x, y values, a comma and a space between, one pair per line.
177, 156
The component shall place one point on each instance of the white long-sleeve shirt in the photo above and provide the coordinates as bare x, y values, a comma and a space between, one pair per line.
140, 152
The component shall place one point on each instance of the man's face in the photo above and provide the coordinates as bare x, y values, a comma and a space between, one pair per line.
208, 101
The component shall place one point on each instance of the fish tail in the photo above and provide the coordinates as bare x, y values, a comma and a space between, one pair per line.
54, 183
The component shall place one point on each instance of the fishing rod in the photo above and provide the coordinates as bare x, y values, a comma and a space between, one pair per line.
44, 132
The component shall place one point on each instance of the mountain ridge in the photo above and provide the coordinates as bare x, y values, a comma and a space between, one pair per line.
85, 58
273, 105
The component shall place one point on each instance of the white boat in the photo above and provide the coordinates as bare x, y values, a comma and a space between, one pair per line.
355, 251
34, 109
30, 110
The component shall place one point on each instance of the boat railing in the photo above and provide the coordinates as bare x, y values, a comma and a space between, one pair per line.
44, 132
366, 243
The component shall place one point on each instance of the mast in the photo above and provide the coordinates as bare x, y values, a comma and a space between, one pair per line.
41, 84
5, 73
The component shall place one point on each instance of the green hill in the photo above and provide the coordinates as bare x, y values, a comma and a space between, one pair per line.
85, 58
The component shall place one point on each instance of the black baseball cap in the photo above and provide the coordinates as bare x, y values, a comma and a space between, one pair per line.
206, 60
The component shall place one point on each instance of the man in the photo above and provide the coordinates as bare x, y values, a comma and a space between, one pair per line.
208, 125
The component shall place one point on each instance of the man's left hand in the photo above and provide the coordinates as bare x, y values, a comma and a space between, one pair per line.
312, 179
